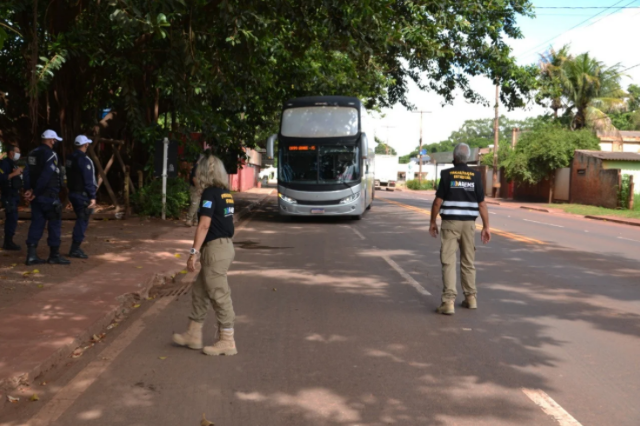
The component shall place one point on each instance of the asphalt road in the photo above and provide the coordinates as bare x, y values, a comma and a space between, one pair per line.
336, 326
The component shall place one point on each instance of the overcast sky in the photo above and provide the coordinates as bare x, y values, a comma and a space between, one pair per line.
611, 37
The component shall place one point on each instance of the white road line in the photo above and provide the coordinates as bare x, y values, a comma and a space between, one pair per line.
358, 233
543, 223
628, 239
549, 406
415, 284
492, 213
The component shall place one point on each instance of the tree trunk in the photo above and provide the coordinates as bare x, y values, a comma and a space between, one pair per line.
552, 184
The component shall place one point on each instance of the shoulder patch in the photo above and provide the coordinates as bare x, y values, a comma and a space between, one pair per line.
206, 204
88, 166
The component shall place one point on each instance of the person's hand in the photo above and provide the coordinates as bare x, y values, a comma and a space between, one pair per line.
28, 195
433, 229
16, 172
191, 263
486, 235
92, 204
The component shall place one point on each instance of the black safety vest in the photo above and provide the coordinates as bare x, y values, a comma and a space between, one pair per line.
75, 179
462, 192
37, 160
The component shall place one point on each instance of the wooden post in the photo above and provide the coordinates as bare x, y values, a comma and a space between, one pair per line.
106, 170
126, 191
631, 189
140, 179
124, 169
103, 175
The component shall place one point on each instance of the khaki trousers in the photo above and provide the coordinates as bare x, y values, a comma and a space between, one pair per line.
195, 195
211, 286
454, 234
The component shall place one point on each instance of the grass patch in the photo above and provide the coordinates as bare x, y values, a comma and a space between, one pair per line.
599, 211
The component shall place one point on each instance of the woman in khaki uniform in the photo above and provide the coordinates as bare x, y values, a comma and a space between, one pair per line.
214, 248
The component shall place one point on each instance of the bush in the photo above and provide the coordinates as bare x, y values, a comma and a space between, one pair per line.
415, 185
148, 201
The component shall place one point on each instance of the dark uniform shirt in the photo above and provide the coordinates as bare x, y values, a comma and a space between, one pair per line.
81, 176
9, 187
217, 203
461, 189
42, 174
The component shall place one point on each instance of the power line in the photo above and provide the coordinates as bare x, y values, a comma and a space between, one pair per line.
572, 28
588, 7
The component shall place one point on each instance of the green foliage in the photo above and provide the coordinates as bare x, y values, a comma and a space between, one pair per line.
551, 89
148, 200
623, 192
384, 149
545, 148
633, 101
416, 185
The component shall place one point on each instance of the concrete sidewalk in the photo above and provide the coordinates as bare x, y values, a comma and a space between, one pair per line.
38, 333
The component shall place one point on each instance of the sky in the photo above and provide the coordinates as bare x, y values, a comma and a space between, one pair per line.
611, 37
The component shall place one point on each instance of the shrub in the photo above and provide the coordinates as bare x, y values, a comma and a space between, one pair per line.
415, 185
148, 201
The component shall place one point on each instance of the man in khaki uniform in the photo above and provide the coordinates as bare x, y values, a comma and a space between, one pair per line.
459, 200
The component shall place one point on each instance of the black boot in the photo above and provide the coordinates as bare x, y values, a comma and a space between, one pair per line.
77, 252
9, 244
55, 258
32, 256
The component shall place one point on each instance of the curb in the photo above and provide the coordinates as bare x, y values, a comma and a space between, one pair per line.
614, 220
495, 203
125, 301
537, 209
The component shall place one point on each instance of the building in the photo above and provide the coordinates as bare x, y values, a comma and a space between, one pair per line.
596, 176
619, 141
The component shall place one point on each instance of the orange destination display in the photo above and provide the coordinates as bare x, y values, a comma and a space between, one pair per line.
302, 148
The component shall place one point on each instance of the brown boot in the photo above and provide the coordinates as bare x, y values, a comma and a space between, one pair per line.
224, 346
470, 302
192, 338
446, 308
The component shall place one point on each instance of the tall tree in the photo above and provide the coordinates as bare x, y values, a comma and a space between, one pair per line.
551, 90
383, 148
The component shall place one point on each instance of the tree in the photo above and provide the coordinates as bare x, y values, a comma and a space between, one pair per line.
551, 90
384, 149
590, 83
543, 150
224, 68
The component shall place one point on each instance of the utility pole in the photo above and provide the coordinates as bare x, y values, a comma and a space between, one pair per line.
496, 137
420, 149
387, 143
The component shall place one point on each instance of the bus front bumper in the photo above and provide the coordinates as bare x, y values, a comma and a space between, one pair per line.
293, 209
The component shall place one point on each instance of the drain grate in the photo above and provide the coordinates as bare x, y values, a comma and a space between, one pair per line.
176, 291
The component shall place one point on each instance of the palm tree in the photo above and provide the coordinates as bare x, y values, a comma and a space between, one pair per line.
590, 85
551, 70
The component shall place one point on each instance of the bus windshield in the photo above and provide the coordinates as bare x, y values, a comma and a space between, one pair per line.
320, 164
319, 122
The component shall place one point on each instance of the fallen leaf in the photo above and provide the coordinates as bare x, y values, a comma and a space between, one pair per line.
12, 399
275, 289
34, 397
40, 286
139, 267
77, 353
205, 422
466, 329
177, 255
24, 274
35, 271
43, 384
162, 357
137, 305
114, 325
13, 265
184, 271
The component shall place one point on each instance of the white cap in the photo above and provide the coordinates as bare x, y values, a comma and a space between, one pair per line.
82, 140
50, 134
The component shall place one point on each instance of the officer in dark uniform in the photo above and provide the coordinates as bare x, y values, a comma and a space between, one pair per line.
459, 200
81, 181
10, 185
42, 184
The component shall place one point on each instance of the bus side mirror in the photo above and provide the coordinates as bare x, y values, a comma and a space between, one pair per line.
270, 146
365, 146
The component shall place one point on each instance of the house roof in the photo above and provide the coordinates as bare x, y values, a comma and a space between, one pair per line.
611, 156
623, 135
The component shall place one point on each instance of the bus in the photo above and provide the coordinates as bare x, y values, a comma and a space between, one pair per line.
325, 164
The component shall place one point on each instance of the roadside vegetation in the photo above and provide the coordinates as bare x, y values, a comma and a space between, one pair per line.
599, 211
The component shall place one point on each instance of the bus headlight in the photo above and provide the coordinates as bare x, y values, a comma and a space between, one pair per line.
287, 199
350, 199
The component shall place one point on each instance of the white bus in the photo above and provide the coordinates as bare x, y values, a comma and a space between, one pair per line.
325, 165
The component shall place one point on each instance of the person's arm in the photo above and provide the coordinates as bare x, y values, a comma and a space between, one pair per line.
435, 209
5, 173
89, 177
484, 214
201, 234
47, 171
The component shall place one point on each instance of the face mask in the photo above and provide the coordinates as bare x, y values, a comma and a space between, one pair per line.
16, 156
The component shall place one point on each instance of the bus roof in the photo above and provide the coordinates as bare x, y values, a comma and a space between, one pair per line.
343, 101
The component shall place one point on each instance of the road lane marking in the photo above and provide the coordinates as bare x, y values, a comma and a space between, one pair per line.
628, 239
358, 233
415, 284
505, 234
492, 213
550, 407
543, 223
